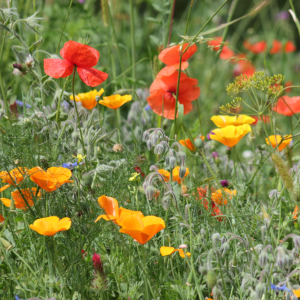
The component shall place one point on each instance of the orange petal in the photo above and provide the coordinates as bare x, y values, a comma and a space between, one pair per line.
109, 205
4, 188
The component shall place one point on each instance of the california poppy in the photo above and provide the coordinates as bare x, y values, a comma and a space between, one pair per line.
164, 251
175, 173
230, 135
76, 55
276, 48
188, 144
162, 97
256, 48
113, 212
1, 218
289, 47
14, 176
51, 225
223, 121
142, 229
18, 198
277, 140
287, 106
220, 196
88, 100
51, 179
295, 213
115, 101
171, 57
297, 293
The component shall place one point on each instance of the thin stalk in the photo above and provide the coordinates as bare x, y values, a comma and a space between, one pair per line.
188, 18
71, 2
118, 125
132, 41
58, 105
78, 120
295, 20
170, 23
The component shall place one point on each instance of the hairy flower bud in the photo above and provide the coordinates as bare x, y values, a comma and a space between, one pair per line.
211, 279
149, 144
182, 172
159, 149
263, 258
5, 244
154, 138
150, 192
146, 136
215, 238
281, 258
296, 240
165, 201
260, 289
172, 162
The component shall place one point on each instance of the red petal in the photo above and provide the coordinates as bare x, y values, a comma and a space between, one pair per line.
170, 56
80, 55
170, 70
189, 95
57, 68
92, 77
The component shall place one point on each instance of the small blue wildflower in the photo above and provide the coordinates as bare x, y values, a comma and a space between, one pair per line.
69, 165
279, 288
21, 104
147, 107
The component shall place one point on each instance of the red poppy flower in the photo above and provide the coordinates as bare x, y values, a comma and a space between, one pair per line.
287, 85
139, 170
266, 119
289, 47
287, 106
215, 43
226, 52
256, 48
171, 57
277, 46
244, 66
76, 55
163, 94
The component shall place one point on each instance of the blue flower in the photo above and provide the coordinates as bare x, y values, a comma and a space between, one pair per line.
20, 103
69, 165
147, 107
279, 288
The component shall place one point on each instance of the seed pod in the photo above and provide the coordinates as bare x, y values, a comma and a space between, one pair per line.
5, 244
283, 172
105, 12
211, 279
259, 128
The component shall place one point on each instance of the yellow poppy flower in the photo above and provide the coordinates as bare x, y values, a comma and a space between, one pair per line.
230, 135
115, 101
51, 225
297, 293
223, 121
88, 100
164, 251
275, 141
219, 196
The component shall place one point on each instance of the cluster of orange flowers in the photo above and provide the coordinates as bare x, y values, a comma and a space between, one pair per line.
163, 90
133, 223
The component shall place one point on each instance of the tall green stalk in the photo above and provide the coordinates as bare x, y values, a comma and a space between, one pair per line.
132, 41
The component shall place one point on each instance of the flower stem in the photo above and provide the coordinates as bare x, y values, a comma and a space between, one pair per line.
78, 120
132, 42
58, 105
118, 125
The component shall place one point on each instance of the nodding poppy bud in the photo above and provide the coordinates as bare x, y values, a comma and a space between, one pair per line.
263, 258
154, 138
149, 144
211, 279
234, 261
182, 172
150, 192
145, 136
165, 201
202, 270
202, 232
225, 247
6, 244
172, 162
260, 289
261, 147
198, 143
215, 238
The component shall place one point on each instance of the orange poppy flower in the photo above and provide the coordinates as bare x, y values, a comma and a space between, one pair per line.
218, 196
164, 251
289, 47
287, 85
19, 200
256, 48
4, 187
171, 57
51, 179
276, 140
14, 176
88, 100
287, 106
162, 97
1, 218
223, 120
115, 101
175, 173
113, 212
142, 229
51, 225
76, 55
295, 213
188, 143
276, 48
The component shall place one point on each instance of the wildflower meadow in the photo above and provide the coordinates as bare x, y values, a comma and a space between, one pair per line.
149, 149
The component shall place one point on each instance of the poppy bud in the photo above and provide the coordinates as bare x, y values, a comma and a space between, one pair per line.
215, 238
281, 258
202, 270
198, 143
165, 201
261, 147
150, 192
190, 279
149, 144
225, 247
172, 163
211, 279
234, 261
260, 289
154, 138
182, 172
6, 244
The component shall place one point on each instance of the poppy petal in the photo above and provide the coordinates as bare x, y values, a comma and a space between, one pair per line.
169, 70
92, 77
57, 68
164, 251
109, 205
170, 56
4, 188
80, 55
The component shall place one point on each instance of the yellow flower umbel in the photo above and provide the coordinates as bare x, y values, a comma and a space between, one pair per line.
88, 100
223, 121
115, 101
230, 135
276, 140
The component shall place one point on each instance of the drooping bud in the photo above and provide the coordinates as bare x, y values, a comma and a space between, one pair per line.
215, 238
7, 245
159, 149
296, 240
263, 258
165, 201
182, 172
146, 136
211, 279
154, 138
172, 162
261, 147
281, 258
150, 192
260, 289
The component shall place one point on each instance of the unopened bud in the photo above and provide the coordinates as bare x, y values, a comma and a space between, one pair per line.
172, 162
202, 232
198, 143
150, 192
215, 238
261, 147
202, 270
145, 136
154, 138
296, 241
159, 149
149, 144
165, 201
5, 244
260, 289
225, 247
234, 261
12, 207
182, 172
190, 279
281, 258
263, 258
211, 279
218, 161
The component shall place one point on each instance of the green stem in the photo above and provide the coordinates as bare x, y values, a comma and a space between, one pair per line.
51, 266
78, 120
296, 21
132, 41
118, 125
58, 105
71, 2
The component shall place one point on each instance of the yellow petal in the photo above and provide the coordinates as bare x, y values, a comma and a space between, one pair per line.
164, 251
